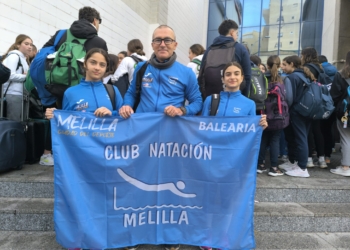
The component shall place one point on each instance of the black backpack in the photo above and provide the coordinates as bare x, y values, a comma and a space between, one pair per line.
210, 71
123, 82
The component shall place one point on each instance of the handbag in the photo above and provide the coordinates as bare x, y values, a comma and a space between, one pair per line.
4, 73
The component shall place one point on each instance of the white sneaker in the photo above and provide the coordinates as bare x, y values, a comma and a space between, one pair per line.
310, 163
322, 164
46, 160
341, 171
298, 172
288, 166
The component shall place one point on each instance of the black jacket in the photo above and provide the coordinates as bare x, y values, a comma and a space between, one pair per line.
81, 29
338, 93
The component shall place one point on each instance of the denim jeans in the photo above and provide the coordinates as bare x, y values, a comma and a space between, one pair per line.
270, 138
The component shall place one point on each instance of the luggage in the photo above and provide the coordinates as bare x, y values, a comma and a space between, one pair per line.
12, 144
36, 138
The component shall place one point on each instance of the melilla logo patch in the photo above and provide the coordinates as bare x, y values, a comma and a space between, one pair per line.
173, 80
147, 80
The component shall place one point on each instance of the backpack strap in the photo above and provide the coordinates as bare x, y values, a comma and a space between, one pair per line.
138, 82
215, 100
198, 62
58, 37
136, 59
111, 93
19, 64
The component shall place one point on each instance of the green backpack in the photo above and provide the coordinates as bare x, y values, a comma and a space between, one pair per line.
67, 68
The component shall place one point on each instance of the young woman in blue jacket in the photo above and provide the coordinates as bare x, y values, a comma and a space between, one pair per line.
90, 95
232, 102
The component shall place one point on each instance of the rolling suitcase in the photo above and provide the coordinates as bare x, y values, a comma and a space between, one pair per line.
12, 142
36, 130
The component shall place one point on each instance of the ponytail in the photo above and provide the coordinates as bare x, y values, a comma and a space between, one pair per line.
274, 62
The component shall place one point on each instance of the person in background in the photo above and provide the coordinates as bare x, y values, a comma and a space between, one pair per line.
271, 138
195, 54
262, 68
328, 68
297, 132
16, 60
121, 56
112, 67
128, 64
32, 54
339, 91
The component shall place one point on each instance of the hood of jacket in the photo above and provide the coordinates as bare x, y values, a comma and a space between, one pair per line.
83, 29
222, 40
329, 69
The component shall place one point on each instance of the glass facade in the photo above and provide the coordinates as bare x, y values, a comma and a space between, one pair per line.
270, 27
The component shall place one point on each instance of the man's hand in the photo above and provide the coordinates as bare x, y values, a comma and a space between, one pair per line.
126, 111
263, 122
102, 111
49, 113
173, 111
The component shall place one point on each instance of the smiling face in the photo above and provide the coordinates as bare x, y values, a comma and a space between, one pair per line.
95, 67
164, 51
287, 68
232, 78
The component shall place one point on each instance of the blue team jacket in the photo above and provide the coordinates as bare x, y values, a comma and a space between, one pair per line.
163, 87
231, 104
89, 96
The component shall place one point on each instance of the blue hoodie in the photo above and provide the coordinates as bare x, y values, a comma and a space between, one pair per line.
89, 96
231, 104
241, 56
329, 69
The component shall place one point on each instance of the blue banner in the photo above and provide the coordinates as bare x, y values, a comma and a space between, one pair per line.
153, 179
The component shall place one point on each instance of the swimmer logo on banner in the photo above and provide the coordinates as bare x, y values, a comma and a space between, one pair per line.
153, 179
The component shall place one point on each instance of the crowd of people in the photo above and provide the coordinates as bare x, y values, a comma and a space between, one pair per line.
295, 144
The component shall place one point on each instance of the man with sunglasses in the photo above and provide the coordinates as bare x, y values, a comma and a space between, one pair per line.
166, 83
85, 28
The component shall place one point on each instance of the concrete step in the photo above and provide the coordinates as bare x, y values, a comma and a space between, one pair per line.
18, 240
36, 214
36, 181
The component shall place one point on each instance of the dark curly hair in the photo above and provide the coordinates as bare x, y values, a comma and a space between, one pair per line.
226, 26
89, 14
309, 55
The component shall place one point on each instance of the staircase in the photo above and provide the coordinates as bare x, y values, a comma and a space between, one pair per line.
291, 213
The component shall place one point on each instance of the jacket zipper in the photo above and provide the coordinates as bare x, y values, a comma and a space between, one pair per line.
228, 99
158, 91
93, 91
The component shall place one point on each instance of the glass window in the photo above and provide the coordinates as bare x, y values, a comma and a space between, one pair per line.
312, 10
293, 11
250, 37
268, 40
216, 16
290, 40
270, 12
251, 13
234, 11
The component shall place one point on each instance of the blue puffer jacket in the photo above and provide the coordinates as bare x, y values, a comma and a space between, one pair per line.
164, 87
89, 96
231, 104
329, 69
